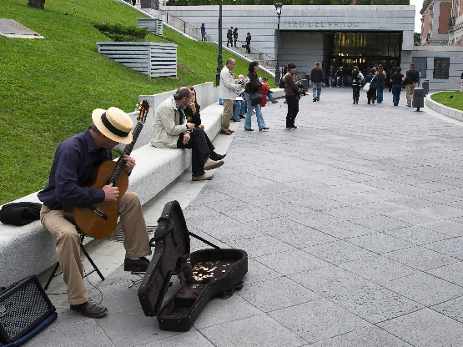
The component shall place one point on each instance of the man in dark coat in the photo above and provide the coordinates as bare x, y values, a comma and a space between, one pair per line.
412, 79
235, 36
316, 76
248, 43
292, 96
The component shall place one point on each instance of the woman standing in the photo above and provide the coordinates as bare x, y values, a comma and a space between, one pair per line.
371, 93
357, 80
396, 82
253, 97
380, 84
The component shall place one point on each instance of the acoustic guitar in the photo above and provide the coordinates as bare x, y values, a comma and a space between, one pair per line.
100, 221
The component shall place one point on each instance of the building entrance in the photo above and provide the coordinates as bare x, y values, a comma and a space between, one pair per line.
336, 49
363, 49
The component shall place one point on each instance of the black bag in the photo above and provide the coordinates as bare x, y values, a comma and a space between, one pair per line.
25, 310
20, 213
281, 84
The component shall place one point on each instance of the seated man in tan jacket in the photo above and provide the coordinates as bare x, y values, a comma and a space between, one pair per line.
171, 130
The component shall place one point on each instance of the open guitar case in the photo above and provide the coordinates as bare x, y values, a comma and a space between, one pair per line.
203, 274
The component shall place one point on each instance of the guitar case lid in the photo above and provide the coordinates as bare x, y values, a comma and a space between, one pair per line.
172, 245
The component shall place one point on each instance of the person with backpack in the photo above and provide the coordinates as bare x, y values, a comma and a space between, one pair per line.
253, 98
412, 79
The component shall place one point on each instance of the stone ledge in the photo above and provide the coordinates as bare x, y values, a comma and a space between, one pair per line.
30, 249
442, 109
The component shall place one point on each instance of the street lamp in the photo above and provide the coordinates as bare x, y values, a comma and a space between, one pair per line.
219, 46
278, 8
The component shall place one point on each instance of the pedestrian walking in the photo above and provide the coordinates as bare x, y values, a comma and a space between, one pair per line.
235, 36
292, 96
230, 37
253, 98
316, 76
203, 32
340, 77
412, 79
228, 91
380, 84
248, 43
370, 86
396, 83
357, 80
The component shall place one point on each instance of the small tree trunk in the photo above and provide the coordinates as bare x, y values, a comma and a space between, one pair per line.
36, 3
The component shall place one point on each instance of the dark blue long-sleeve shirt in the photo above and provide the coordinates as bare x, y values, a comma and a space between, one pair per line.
74, 167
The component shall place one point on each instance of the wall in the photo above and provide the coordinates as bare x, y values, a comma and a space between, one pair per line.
304, 56
261, 20
430, 52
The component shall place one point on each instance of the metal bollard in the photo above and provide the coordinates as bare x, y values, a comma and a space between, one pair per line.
418, 99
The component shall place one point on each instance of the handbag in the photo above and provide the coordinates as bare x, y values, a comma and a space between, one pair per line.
25, 310
367, 85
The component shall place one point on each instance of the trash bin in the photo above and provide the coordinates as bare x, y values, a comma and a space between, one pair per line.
418, 98
425, 86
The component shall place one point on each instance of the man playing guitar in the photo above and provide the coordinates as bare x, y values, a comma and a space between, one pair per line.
74, 167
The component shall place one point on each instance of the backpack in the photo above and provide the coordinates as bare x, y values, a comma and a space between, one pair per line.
20, 213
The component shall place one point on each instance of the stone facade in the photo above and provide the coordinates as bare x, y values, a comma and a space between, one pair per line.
435, 22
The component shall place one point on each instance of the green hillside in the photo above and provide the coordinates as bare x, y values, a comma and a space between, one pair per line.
50, 87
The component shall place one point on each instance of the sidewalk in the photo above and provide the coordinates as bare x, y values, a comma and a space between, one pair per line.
353, 224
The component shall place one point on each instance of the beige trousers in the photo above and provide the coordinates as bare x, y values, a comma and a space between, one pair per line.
227, 113
68, 242
409, 90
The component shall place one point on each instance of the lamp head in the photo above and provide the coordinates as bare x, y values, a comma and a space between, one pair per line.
278, 7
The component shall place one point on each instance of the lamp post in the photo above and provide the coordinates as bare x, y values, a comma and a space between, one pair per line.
278, 8
219, 46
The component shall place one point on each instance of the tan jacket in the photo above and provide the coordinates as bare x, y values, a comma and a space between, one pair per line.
166, 125
228, 88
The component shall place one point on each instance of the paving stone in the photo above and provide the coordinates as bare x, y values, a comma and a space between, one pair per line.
380, 243
189, 339
451, 228
258, 272
253, 331
291, 262
419, 235
381, 223
317, 320
338, 252
378, 269
345, 229
371, 336
132, 329
275, 294
425, 289
220, 311
452, 247
421, 258
452, 308
69, 331
261, 246
426, 328
452, 273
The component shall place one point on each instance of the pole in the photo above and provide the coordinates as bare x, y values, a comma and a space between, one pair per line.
219, 47
277, 65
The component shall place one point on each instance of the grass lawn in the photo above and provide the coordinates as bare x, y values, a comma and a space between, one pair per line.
49, 87
450, 99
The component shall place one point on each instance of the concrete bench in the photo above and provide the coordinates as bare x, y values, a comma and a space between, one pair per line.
278, 93
30, 249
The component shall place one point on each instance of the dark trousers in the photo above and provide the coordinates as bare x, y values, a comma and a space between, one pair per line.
229, 42
234, 40
200, 149
248, 48
371, 95
356, 94
396, 89
293, 109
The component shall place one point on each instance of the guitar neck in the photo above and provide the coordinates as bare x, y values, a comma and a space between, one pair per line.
127, 150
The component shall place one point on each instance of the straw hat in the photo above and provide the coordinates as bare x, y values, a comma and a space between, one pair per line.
113, 123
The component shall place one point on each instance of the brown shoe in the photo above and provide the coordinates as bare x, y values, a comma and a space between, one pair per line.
203, 177
226, 132
212, 164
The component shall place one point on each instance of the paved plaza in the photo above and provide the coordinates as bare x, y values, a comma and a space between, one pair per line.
354, 228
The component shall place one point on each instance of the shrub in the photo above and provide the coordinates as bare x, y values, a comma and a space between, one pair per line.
118, 32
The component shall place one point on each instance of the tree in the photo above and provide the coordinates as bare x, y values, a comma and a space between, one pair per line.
37, 3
